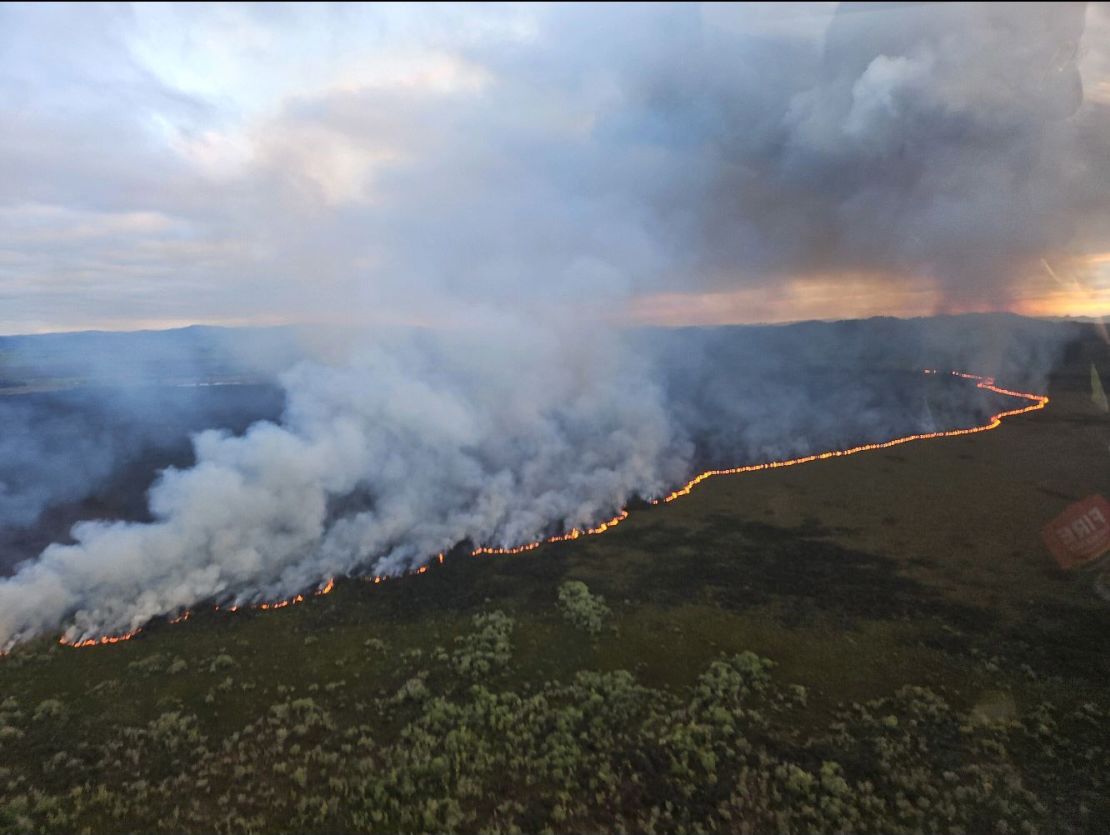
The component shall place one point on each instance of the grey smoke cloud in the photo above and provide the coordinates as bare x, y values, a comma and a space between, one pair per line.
492, 439
78, 409
510, 200
949, 143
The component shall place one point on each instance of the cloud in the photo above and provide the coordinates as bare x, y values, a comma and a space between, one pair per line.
308, 158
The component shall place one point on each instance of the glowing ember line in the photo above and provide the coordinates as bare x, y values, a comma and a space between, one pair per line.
563, 537
184, 616
1037, 401
101, 641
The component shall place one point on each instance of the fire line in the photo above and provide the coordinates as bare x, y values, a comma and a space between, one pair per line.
1036, 401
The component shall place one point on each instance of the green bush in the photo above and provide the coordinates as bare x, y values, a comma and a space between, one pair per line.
48, 709
584, 610
486, 650
595, 750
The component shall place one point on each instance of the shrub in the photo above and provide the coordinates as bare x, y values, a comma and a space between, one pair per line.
48, 709
584, 610
413, 690
147, 666
374, 644
485, 650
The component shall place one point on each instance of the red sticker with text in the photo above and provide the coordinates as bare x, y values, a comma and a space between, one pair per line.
1081, 533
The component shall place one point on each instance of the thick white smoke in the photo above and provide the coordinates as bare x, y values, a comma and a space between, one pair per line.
406, 450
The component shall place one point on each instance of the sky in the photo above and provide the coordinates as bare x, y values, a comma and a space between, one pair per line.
163, 165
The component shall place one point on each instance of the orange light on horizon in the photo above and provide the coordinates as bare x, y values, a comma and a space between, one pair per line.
842, 296
826, 297
1081, 289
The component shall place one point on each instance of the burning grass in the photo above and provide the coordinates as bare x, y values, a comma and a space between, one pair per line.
1033, 402
774, 656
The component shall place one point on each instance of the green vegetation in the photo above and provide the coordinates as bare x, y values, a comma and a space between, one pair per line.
586, 611
485, 650
738, 750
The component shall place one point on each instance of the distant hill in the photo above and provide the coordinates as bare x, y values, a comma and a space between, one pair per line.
196, 353
207, 353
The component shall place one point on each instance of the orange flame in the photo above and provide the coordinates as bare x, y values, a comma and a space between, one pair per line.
574, 533
101, 641
1037, 401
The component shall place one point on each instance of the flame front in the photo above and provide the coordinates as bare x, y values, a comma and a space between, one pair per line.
101, 641
185, 615
1036, 401
1039, 401
574, 533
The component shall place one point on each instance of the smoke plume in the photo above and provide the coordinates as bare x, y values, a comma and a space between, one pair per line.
507, 207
